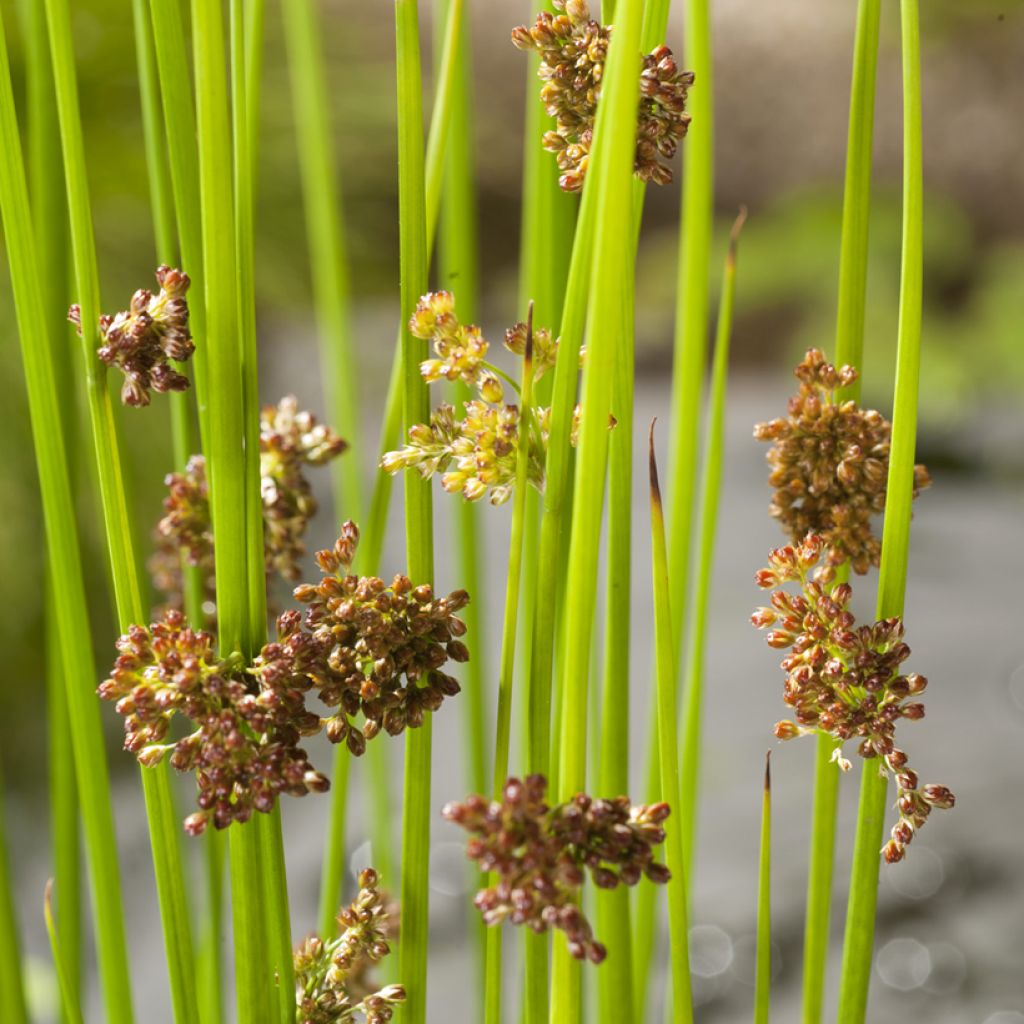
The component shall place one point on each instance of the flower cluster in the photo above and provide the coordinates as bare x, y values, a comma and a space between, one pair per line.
141, 340
845, 680
572, 49
829, 465
372, 644
290, 439
540, 855
330, 975
475, 455
244, 748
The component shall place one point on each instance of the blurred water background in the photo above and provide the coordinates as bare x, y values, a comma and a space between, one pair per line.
951, 925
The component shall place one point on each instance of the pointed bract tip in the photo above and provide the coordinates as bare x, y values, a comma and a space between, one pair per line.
734, 234
653, 466
768, 771
528, 354
48, 898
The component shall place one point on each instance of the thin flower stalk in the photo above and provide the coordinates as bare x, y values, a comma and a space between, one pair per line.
506, 676
63, 550
853, 267
688, 371
12, 990
700, 593
46, 187
668, 754
415, 889
70, 1007
612, 269
860, 914
763, 968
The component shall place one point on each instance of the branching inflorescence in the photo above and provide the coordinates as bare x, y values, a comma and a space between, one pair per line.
477, 454
573, 48
290, 439
142, 340
363, 647
843, 679
829, 465
540, 855
330, 976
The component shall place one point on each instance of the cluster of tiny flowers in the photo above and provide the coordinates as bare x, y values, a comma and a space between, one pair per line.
541, 854
573, 49
829, 465
371, 645
476, 456
845, 680
330, 984
141, 340
289, 440
244, 748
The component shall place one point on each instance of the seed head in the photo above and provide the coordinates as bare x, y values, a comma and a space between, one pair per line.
829, 465
142, 340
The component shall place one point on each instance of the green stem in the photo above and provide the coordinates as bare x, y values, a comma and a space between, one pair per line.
416, 816
668, 755
69, 997
863, 899
853, 270
13, 1007
700, 597
763, 979
63, 551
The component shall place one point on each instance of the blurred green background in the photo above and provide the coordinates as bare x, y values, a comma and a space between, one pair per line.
782, 70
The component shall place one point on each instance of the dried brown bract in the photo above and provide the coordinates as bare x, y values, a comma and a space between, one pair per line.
573, 48
843, 679
541, 855
829, 465
244, 748
141, 340
329, 976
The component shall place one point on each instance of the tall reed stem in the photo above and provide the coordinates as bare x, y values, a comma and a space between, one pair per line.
668, 755
12, 992
853, 269
861, 908
763, 976
610, 286
69, 997
416, 807
63, 551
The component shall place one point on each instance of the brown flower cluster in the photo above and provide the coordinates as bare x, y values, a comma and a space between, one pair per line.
330, 976
845, 680
573, 48
290, 439
244, 748
141, 340
829, 465
376, 648
477, 454
540, 855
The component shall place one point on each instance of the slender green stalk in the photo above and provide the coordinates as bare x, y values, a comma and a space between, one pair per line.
46, 186
13, 1007
700, 595
853, 269
506, 676
69, 999
229, 493
174, 72
688, 364
668, 755
63, 551
892, 583
416, 806
610, 288
615, 980
763, 978
458, 272
127, 590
